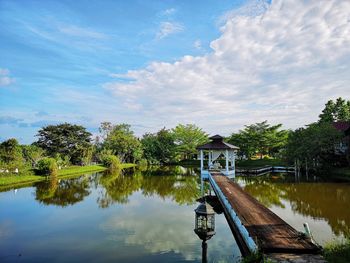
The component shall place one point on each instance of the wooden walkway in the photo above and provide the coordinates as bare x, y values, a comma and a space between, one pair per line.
270, 233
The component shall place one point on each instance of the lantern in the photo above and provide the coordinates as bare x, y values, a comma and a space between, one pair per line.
205, 221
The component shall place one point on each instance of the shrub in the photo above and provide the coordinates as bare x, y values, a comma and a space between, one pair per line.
143, 163
47, 166
112, 162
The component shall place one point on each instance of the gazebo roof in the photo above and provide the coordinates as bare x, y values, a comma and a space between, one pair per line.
217, 143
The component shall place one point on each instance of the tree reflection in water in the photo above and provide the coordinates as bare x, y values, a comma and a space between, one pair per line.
328, 201
62, 192
173, 182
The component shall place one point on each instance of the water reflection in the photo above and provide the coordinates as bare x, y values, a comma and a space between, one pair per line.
165, 183
328, 201
62, 192
147, 216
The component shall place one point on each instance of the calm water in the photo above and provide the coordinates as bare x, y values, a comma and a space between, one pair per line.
147, 216
324, 206
136, 217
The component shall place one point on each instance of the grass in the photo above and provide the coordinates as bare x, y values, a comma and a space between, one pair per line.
337, 252
18, 180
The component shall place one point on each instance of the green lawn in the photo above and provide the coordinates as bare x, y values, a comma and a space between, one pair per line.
16, 180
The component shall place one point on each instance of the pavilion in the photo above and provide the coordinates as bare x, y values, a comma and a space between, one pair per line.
213, 150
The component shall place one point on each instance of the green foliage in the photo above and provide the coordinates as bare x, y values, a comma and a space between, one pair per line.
257, 257
121, 141
187, 138
32, 154
337, 252
335, 111
47, 166
11, 152
112, 162
143, 163
66, 140
260, 138
159, 147
314, 144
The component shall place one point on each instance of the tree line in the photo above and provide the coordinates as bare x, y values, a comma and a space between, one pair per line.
64, 144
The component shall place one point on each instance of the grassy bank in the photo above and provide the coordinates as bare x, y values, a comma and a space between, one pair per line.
337, 252
17, 180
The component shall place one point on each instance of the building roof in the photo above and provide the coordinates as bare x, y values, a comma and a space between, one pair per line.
342, 125
217, 143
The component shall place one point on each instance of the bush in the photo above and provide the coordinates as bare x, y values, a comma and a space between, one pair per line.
112, 162
47, 166
337, 252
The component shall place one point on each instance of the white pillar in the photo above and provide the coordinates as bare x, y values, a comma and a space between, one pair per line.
201, 160
234, 164
209, 161
226, 162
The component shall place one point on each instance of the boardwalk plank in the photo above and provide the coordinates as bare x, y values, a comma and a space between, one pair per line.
271, 233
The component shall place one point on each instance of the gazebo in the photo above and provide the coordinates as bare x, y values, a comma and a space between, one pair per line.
214, 150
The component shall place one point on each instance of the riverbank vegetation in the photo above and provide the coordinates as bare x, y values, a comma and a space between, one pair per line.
318, 148
337, 252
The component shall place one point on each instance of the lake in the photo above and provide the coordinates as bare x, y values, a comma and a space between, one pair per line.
148, 216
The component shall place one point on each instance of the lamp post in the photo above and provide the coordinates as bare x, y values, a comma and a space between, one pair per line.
204, 225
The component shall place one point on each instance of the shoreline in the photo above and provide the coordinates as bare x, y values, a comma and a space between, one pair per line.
11, 181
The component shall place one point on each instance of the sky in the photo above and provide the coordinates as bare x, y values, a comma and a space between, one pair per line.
153, 64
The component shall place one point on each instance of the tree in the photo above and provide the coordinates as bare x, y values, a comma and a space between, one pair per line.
313, 146
122, 142
261, 138
335, 111
159, 147
65, 139
187, 138
32, 154
105, 129
11, 152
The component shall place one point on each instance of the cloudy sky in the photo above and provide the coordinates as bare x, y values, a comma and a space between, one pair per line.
218, 64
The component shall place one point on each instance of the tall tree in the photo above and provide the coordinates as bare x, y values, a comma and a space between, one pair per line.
335, 111
187, 138
159, 147
32, 153
11, 152
314, 145
65, 139
260, 138
122, 142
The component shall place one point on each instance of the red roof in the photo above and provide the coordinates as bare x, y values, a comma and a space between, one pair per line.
341, 125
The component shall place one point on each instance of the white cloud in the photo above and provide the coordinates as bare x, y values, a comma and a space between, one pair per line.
281, 64
169, 11
168, 28
76, 31
71, 35
197, 44
5, 78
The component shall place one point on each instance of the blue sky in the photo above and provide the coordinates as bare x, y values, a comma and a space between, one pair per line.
154, 63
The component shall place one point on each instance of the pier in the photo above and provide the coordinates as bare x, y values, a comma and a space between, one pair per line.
255, 227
